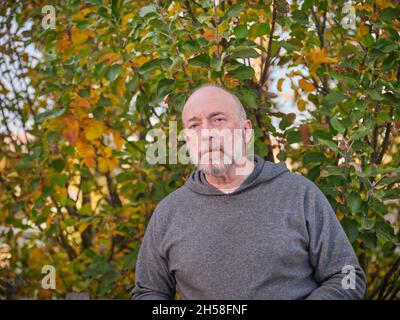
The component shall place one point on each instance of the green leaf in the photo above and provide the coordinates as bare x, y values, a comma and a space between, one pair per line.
385, 232
177, 101
147, 9
300, 17
104, 102
367, 223
332, 145
99, 113
287, 120
107, 281
245, 53
234, 11
374, 94
52, 137
50, 114
369, 239
333, 171
333, 98
389, 14
240, 31
200, 61
314, 157
243, 73
293, 137
259, 29
130, 259
248, 97
337, 125
367, 40
155, 64
58, 164
203, 17
113, 72
354, 201
99, 266
350, 228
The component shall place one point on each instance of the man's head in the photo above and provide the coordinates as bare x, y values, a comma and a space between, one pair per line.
217, 129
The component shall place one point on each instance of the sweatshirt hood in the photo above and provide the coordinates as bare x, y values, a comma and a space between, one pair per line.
263, 172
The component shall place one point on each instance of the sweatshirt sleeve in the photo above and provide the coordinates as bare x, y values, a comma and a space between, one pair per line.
153, 281
331, 254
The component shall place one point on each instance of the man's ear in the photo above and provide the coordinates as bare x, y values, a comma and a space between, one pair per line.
248, 130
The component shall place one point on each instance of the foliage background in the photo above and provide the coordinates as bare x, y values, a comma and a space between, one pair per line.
77, 103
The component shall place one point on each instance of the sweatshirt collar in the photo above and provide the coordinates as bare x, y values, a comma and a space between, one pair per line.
262, 172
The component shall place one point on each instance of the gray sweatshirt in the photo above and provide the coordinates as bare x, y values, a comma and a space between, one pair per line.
275, 237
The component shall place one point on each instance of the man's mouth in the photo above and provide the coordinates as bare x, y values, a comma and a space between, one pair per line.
211, 150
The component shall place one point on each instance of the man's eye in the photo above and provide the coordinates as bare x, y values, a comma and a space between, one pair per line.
219, 119
193, 126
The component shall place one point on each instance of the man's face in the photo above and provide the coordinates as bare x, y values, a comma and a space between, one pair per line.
214, 130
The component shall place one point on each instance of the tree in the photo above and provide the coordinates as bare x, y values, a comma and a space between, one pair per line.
76, 189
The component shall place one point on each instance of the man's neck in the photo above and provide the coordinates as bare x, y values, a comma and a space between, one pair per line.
231, 179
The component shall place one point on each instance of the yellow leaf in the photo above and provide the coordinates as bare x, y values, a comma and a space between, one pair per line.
301, 105
78, 36
112, 163
362, 30
231, 82
35, 256
117, 140
279, 84
383, 4
82, 227
108, 152
125, 19
306, 86
102, 165
129, 47
364, 7
140, 60
94, 130
48, 221
82, 13
3, 164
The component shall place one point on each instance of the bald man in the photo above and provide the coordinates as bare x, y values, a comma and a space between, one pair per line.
242, 227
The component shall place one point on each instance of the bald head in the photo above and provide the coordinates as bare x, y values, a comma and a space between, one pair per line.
209, 95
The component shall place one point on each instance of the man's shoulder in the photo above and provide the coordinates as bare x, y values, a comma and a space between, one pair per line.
297, 181
172, 201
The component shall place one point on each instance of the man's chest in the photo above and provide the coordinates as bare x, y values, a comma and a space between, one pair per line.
214, 247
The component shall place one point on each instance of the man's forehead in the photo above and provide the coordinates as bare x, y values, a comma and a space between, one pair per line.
216, 98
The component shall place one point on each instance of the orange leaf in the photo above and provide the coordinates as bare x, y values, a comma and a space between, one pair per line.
305, 133
71, 130
301, 105
320, 56
110, 57
117, 140
279, 84
210, 35
63, 43
80, 102
102, 164
306, 86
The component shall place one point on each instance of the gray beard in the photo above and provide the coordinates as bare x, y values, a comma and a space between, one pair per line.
215, 170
